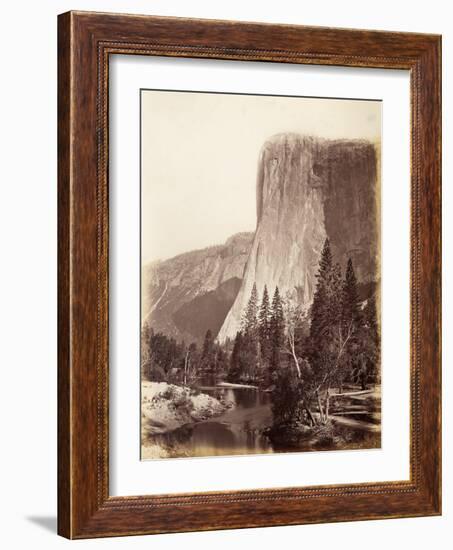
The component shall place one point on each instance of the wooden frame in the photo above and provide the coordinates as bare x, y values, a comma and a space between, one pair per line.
85, 41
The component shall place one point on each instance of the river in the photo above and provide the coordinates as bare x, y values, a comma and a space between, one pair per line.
238, 431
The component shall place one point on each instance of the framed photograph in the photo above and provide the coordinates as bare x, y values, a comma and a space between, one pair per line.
249, 275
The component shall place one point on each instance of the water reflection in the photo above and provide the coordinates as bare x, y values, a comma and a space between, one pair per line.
238, 431
241, 429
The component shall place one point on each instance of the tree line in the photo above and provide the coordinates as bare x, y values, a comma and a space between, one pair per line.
256, 349
301, 355
340, 346
165, 359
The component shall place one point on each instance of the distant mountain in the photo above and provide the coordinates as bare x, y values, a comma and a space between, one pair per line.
186, 295
207, 311
309, 189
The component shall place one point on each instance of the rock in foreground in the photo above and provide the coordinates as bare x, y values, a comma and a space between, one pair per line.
166, 407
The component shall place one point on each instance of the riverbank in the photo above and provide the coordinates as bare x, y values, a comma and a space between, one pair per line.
354, 423
236, 431
166, 407
229, 419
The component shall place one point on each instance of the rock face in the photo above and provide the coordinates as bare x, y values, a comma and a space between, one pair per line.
186, 295
309, 189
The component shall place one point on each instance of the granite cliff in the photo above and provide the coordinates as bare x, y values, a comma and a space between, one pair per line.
309, 189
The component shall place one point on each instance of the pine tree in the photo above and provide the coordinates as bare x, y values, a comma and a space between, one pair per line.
264, 324
326, 336
207, 354
235, 370
250, 349
250, 318
351, 302
321, 298
207, 344
326, 261
277, 329
335, 294
371, 338
222, 361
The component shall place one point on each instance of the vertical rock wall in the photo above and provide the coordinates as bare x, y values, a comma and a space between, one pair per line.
309, 189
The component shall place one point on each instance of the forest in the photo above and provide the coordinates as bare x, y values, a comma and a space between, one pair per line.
302, 357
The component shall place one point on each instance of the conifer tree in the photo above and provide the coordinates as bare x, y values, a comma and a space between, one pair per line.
277, 329
264, 324
207, 354
207, 344
250, 318
235, 370
335, 294
250, 352
370, 337
326, 334
321, 298
351, 302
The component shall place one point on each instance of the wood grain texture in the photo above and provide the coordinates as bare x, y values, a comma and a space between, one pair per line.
86, 40
64, 370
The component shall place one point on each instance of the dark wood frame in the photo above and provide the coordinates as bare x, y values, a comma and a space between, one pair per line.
85, 42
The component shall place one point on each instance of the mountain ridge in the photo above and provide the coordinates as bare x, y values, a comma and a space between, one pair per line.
170, 286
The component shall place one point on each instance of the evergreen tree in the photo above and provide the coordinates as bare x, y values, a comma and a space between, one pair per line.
320, 306
351, 302
326, 335
165, 357
208, 352
250, 352
235, 370
250, 317
207, 344
370, 341
335, 297
221, 362
351, 324
264, 325
277, 330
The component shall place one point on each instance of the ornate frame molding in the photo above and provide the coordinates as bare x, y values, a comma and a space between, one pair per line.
86, 40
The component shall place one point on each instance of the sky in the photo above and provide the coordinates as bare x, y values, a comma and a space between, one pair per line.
200, 153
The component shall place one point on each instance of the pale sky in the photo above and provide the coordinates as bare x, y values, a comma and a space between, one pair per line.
200, 154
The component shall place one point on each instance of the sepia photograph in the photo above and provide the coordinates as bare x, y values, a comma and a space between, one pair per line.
260, 274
